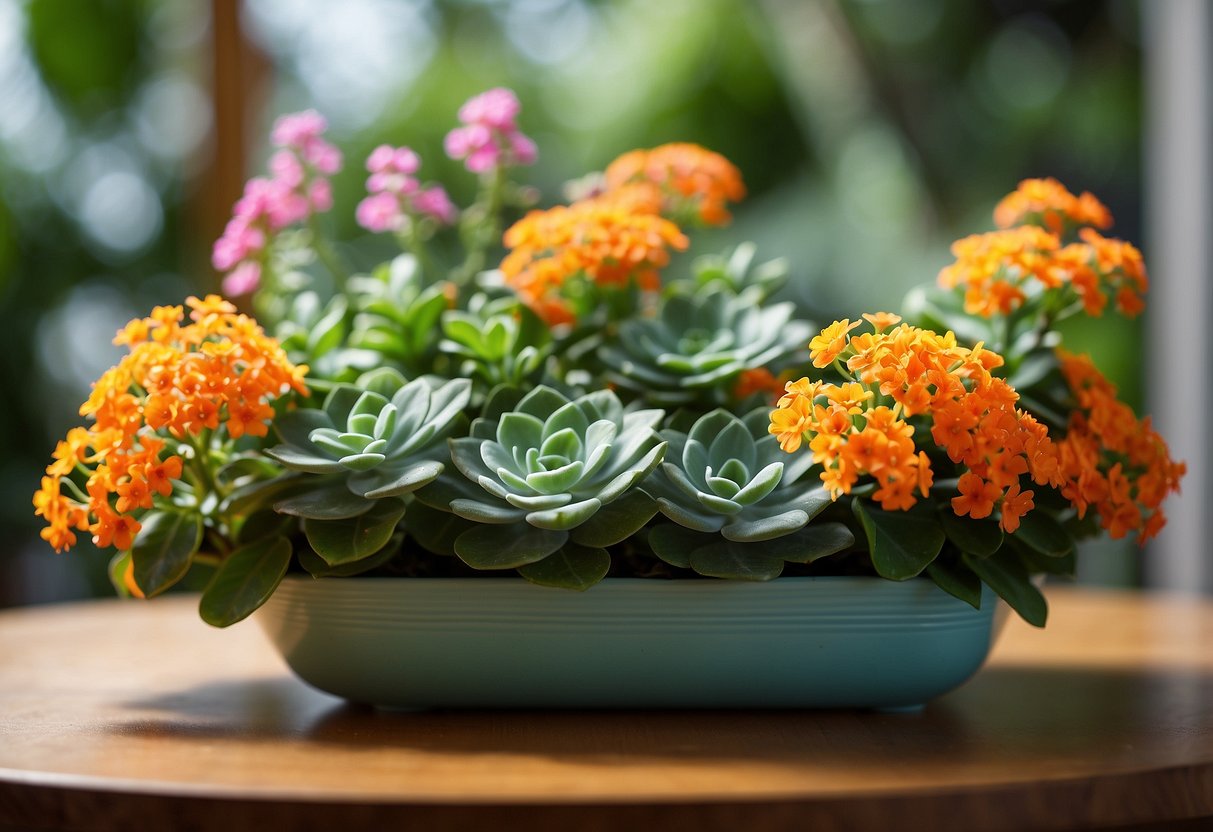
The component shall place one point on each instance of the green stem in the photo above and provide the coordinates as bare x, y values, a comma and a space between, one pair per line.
325, 254
485, 216
411, 240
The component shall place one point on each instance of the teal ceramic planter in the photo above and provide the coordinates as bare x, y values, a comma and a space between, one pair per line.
831, 642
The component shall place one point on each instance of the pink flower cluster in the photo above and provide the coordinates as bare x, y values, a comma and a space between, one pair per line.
489, 136
395, 194
298, 186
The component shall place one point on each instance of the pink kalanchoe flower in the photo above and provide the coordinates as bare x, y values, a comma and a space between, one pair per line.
434, 203
243, 279
296, 130
489, 136
380, 212
496, 108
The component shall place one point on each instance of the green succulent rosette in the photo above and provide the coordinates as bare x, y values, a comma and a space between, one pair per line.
694, 350
496, 341
358, 455
544, 484
740, 507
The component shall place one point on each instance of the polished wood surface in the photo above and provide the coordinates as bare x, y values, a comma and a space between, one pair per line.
118, 715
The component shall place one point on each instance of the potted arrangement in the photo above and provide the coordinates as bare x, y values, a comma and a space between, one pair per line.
751, 509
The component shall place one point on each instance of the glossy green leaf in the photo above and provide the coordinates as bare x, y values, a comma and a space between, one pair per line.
164, 548
570, 567
343, 541
1040, 532
901, 543
974, 537
957, 580
318, 567
1007, 576
117, 573
245, 579
434, 530
811, 543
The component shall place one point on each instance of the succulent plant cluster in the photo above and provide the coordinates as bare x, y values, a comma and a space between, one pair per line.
588, 408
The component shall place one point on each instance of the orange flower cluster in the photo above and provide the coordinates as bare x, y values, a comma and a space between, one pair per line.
1048, 203
178, 378
613, 239
694, 182
1111, 461
756, 380
1000, 270
861, 426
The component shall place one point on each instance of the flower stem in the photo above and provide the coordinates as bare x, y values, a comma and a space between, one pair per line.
483, 227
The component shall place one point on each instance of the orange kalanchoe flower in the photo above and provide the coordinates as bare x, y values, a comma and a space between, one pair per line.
861, 427
1110, 460
180, 379
611, 239
1047, 202
1001, 270
693, 181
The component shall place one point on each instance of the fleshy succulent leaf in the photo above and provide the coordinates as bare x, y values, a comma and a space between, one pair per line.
573, 566
507, 547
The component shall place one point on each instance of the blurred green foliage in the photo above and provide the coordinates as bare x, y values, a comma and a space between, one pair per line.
871, 133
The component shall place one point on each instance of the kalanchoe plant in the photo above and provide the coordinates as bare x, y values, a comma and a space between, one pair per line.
693, 351
960, 445
740, 507
548, 484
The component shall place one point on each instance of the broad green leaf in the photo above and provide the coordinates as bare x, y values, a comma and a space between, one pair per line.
317, 567
811, 543
765, 528
333, 502
902, 543
264, 524
435, 530
616, 521
570, 567
1035, 562
343, 541
957, 580
1038, 531
328, 332
163, 549
245, 579
674, 543
507, 546
1007, 576
974, 537
735, 561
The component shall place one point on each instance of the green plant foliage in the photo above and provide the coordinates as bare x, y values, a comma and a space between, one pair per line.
245, 579
397, 316
902, 543
1006, 575
694, 350
164, 548
728, 478
382, 441
735, 271
496, 341
533, 475
344, 541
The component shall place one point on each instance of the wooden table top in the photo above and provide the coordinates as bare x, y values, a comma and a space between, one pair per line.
118, 715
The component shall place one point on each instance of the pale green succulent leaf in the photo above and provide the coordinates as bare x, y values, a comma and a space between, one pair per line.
537, 502
332, 502
362, 462
564, 517
406, 481
300, 460
520, 430
723, 487
674, 543
616, 521
564, 478
718, 504
763, 483
735, 561
572, 566
697, 520
765, 528
484, 512
507, 547
541, 402
568, 417
640, 469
